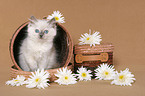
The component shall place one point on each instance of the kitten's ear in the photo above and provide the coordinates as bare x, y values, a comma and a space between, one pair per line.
52, 22
32, 20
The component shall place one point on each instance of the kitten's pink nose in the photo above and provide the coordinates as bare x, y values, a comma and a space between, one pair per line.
41, 34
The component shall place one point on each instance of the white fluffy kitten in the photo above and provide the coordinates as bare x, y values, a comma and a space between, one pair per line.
37, 49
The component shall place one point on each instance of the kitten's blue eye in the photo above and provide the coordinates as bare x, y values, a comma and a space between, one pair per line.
46, 31
36, 30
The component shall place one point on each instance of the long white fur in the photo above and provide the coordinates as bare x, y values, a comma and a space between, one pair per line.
35, 52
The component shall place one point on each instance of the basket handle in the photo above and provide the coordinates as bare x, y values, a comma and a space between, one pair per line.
103, 57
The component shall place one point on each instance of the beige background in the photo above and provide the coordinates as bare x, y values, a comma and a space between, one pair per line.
121, 22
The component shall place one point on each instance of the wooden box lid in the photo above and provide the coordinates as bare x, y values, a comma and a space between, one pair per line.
87, 49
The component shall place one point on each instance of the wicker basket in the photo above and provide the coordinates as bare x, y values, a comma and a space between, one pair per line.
91, 57
65, 45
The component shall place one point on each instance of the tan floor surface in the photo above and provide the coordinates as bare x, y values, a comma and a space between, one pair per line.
121, 22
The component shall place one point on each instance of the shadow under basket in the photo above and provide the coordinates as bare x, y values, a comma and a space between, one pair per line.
62, 42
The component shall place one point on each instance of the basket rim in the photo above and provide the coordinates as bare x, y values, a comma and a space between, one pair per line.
69, 40
14, 72
49, 70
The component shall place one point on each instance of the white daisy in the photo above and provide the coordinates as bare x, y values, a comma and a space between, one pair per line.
58, 17
105, 72
65, 77
93, 39
39, 79
84, 74
123, 78
18, 81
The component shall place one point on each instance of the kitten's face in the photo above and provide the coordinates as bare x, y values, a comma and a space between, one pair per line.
41, 30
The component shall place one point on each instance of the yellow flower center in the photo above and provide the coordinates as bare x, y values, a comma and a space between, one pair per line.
121, 77
106, 73
88, 38
66, 77
37, 80
84, 74
16, 80
56, 18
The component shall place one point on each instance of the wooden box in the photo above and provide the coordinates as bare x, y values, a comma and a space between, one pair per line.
91, 57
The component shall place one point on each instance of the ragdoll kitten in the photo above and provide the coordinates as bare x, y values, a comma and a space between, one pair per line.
37, 50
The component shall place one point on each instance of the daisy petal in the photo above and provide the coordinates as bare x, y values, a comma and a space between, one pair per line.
105, 72
124, 78
18, 81
83, 74
38, 79
58, 17
65, 77
93, 39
